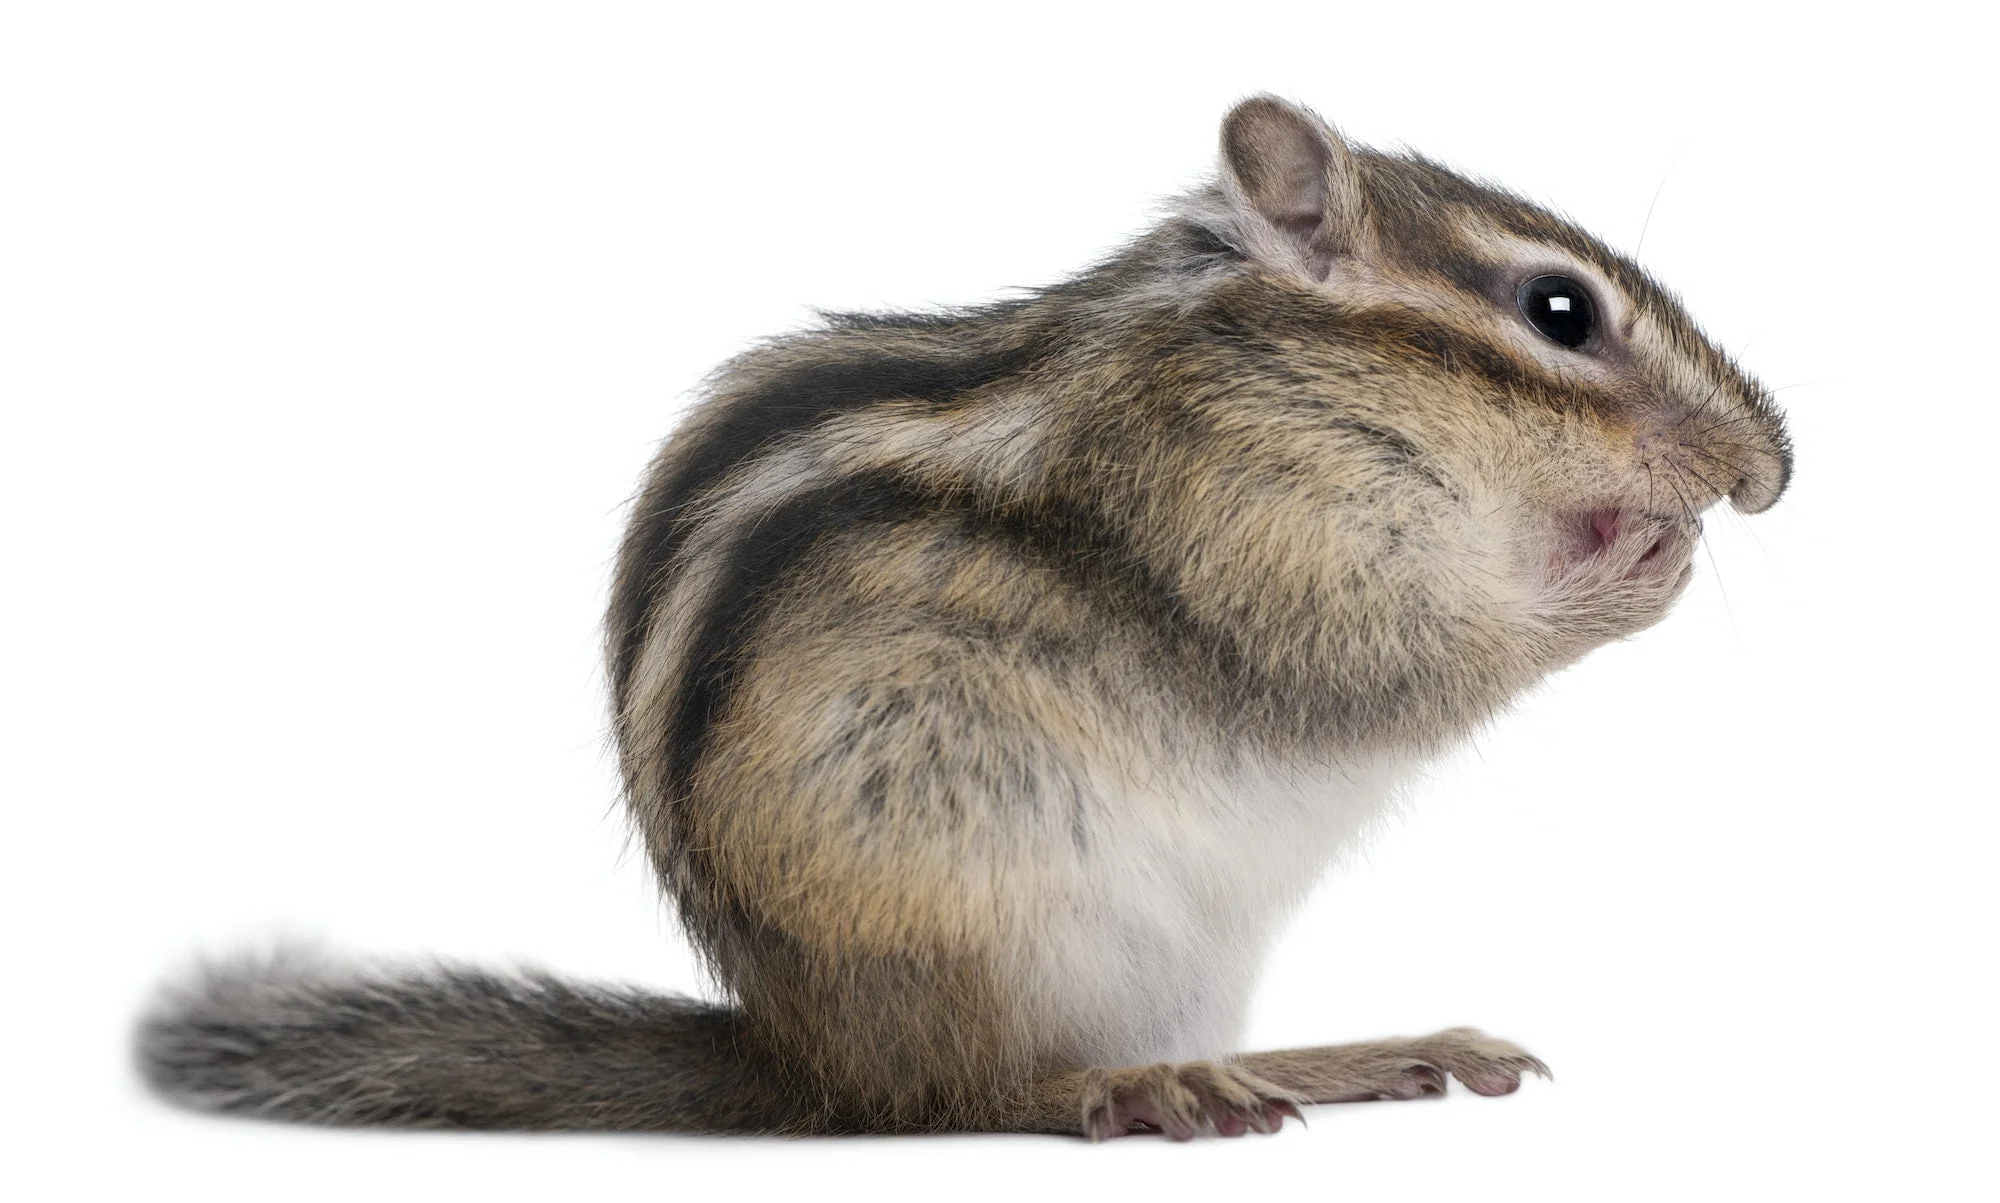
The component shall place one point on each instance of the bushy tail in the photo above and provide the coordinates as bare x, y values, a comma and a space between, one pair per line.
290, 1037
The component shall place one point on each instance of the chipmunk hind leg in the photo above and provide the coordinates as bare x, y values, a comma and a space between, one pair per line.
883, 1041
953, 883
1179, 1100
928, 1043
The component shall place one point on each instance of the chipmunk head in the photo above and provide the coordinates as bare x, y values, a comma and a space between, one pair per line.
1533, 367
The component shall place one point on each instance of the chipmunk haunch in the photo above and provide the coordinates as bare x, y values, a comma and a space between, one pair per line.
989, 685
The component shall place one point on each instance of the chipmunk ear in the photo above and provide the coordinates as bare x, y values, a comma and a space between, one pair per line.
1297, 184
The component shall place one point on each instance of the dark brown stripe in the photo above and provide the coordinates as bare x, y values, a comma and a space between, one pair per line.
795, 400
1094, 556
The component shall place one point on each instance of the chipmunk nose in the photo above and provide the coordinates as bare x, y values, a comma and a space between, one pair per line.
1744, 438
1765, 477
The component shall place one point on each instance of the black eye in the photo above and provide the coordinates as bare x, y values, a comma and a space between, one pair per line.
1559, 308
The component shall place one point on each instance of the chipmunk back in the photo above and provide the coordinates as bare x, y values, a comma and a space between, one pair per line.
990, 685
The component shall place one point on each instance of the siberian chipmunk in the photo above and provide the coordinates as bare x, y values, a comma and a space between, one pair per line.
990, 685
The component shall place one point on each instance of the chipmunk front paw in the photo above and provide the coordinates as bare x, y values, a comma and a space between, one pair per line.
1485, 1064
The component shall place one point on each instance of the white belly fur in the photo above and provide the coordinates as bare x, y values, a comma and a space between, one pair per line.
1150, 949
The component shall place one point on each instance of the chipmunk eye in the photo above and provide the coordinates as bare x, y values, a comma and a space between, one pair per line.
1559, 308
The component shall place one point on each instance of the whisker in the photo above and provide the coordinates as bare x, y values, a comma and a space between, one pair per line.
1654, 203
1713, 566
1717, 460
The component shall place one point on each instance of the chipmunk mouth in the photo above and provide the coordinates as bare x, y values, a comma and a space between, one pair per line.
1629, 543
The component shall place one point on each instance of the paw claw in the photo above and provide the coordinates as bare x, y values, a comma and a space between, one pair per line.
1485, 1064
1184, 1101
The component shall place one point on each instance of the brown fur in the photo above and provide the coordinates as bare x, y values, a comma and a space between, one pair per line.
954, 657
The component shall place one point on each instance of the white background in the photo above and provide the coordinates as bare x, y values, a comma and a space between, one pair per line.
333, 341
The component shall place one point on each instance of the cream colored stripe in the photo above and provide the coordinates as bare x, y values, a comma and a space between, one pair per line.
996, 443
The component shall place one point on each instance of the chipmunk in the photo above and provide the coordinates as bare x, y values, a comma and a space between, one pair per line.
990, 685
